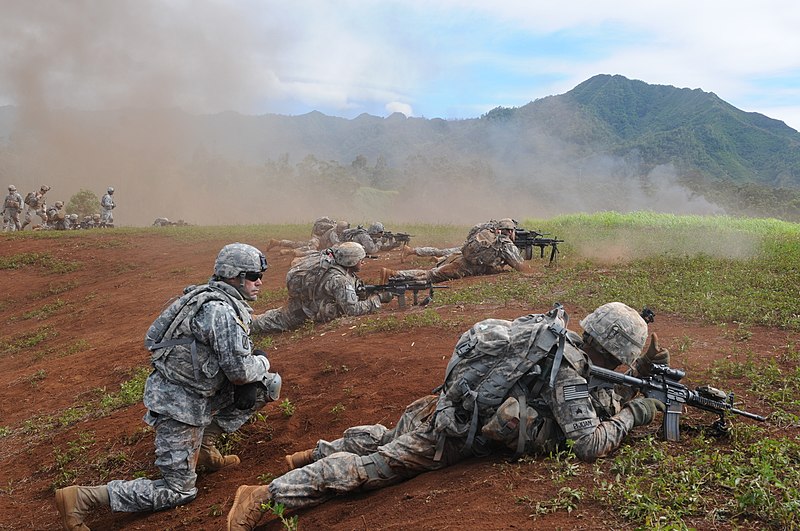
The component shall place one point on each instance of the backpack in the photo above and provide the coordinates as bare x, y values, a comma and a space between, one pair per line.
481, 247
321, 226
493, 360
349, 234
303, 277
30, 199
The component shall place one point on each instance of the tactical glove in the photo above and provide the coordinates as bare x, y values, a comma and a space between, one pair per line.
385, 296
244, 396
644, 410
653, 356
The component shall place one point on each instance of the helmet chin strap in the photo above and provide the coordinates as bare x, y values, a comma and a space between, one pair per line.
240, 287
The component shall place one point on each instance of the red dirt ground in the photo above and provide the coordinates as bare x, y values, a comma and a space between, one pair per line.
124, 280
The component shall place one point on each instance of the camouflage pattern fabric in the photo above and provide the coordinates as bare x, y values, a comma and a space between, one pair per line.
455, 266
334, 297
360, 235
182, 402
371, 457
12, 206
106, 209
434, 251
39, 207
368, 458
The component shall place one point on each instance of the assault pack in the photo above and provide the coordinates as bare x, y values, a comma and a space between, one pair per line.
481, 247
322, 225
30, 199
493, 360
303, 277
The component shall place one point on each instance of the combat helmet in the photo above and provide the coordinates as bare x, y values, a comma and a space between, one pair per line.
110, 190
12, 188
58, 204
238, 258
619, 329
44, 188
375, 228
506, 223
349, 254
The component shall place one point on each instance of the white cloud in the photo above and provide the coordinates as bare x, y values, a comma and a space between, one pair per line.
396, 106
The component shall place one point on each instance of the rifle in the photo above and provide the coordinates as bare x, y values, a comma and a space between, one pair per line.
399, 237
664, 386
398, 288
528, 239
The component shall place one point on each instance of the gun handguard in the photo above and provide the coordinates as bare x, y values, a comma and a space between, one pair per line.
664, 385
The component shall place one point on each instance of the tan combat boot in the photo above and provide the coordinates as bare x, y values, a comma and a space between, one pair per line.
75, 503
246, 511
210, 457
300, 459
272, 243
405, 250
386, 274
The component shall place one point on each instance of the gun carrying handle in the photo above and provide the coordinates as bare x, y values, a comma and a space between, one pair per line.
672, 419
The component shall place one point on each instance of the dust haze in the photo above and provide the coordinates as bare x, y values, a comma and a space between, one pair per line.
103, 94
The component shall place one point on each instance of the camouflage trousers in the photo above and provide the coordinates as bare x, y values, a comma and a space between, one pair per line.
11, 221
177, 448
369, 458
280, 319
434, 251
107, 216
451, 268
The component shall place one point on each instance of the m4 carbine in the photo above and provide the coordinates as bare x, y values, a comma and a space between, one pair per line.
401, 238
664, 385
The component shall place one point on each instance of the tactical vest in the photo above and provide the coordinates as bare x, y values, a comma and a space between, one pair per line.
31, 199
172, 330
321, 226
349, 234
493, 360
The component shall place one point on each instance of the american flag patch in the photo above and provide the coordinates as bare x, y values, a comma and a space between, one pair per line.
576, 392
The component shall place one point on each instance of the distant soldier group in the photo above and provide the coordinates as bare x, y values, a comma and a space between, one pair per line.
53, 217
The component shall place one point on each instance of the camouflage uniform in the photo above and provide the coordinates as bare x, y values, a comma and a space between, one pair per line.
334, 296
360, 235
56, 217
12, 205
183, 399
435, 251
371, 457
503, 252
106, 208
39, 207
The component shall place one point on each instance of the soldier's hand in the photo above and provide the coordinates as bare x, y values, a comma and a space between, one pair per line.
385, 296
644, 410
244, 396
653, 356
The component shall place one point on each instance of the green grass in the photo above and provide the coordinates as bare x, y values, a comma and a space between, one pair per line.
44, 261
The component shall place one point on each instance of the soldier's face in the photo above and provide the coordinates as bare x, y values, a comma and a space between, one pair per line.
251, 288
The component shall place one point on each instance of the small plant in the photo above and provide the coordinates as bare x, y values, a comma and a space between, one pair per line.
286, 407
278, 509
265, 478
338, 409
215, 510
566, 500
35, 378
5, 431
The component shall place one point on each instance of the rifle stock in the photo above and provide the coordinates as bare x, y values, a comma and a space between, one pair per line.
665, 387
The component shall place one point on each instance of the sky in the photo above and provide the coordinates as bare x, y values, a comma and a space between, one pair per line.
451, 59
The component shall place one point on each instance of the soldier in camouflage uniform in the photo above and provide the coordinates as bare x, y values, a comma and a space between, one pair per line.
107, 207
498, 252
57, 217
433, 431
38, 207
447, 251
320, 227
332, 296
12, 205
206, 380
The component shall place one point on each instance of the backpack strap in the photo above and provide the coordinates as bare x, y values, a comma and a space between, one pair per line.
181, 341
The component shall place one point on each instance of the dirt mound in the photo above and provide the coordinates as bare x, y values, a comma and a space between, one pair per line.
74, 321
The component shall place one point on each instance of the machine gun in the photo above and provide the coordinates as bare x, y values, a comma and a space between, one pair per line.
401, 238
664, 385
398, 288
526, 240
